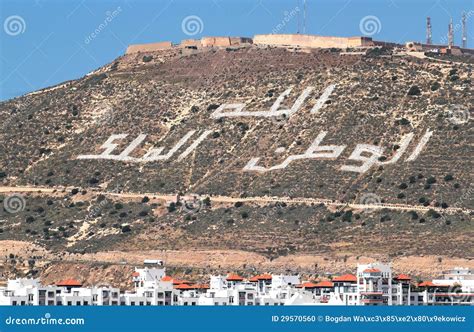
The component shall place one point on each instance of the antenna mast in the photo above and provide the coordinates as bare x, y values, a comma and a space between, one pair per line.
464, 31
429, 39
298, 17
304, 16
450, 34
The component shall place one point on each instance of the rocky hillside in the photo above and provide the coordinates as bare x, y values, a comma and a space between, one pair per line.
351, 129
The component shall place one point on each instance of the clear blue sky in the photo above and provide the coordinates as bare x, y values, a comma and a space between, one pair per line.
45, 42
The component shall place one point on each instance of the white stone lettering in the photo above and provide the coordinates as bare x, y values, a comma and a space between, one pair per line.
403, 147
154, 154
374, 151
109, 146
275, 110
194, 145
323, 99
424, 140
315, 151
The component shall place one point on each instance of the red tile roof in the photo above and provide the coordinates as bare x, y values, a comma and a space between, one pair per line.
403, 277
167, 278
430, 284
253, 279
183, 287
371, 271
135, 274
264, 276
200, 286
306, 285
179, 282
345, 278
234, 277
325, 284
69, 283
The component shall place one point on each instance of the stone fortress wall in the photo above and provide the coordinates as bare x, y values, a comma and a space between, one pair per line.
191, 43
277, 40
152, 47
312, 41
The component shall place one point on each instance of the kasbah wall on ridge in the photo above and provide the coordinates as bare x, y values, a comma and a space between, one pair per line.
288, 41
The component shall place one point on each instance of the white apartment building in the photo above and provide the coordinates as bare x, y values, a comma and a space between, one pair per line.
373, 284
67, 292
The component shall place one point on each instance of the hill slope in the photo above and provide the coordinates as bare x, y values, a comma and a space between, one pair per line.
405, 119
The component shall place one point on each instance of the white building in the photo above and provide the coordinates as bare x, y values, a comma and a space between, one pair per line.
373, 284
